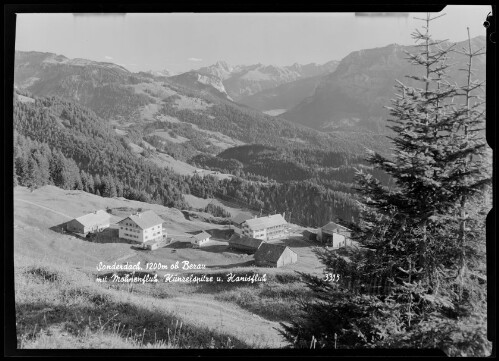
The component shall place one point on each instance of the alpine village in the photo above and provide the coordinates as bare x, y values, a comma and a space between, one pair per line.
336, 206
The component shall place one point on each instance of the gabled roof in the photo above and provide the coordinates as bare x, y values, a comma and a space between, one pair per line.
201, 235
145, 220
266, 222
334, 227
241, 217
270, 252
235, 239
96, 218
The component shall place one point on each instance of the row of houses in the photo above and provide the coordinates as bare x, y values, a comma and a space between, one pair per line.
145, 228
275, 226
266, 254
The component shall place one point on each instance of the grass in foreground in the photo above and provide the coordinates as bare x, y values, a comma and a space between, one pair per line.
277, 299
61, 308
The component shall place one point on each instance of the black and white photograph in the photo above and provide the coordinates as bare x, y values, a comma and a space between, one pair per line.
308, 181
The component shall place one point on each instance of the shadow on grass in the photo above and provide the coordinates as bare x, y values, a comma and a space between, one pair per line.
178, 245
296, 242
83, 310
220, 233
186, 215
249, 263
216, 248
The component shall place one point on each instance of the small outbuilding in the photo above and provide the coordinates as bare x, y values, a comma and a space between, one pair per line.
200, 238
150, 245
243, 243
334, 235
91, 222
274, 255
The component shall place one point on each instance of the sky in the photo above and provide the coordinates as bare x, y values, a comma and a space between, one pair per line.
180, 42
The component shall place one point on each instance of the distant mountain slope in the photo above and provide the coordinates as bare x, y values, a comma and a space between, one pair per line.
161, 73
106, 88
245, 80
354, 95
203, 82
284, 96
140, 105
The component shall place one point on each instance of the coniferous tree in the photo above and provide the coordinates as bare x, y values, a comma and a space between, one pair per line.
414, 234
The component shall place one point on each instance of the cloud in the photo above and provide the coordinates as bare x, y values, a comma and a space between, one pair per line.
108, 57
195, 59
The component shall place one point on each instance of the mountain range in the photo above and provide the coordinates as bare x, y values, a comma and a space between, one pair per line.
354, 95
245, 80
349, 95
201, 119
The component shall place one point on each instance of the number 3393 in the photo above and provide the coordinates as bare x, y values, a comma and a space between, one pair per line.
331, 277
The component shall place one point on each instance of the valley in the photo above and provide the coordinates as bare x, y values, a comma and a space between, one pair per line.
248, 170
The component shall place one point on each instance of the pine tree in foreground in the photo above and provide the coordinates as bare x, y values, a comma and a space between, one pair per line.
423, 241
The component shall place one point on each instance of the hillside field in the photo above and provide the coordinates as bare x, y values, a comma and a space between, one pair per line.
245, 312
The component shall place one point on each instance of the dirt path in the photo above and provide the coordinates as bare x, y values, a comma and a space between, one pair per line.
49, 209
228, 319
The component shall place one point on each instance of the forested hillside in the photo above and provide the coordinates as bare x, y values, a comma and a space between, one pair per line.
294, 168
62, 143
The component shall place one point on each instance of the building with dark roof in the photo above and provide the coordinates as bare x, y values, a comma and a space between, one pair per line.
334, 235
243, 243
274, 255
91, 222
141, 227
309, 235
238, 220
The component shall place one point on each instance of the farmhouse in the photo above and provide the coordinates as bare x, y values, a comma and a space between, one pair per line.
334, 235
238, 221
199, 239
91, 222
141, 227
266, 228
243, 243
274, 255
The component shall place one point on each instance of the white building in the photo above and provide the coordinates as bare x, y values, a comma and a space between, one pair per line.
334, 235
91, 222
198, 239
141, 227
265, 228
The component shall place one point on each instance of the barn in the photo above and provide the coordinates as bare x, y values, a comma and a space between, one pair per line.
334, 235
274, 255
238, 221
243, 243
91, 222
199, 239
